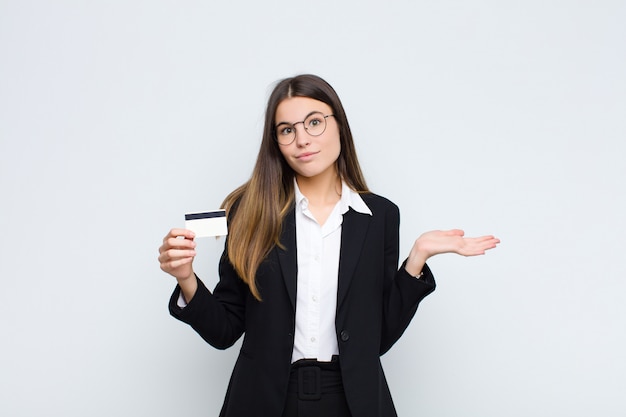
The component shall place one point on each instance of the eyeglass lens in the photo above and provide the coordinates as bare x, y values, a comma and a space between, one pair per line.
314, 124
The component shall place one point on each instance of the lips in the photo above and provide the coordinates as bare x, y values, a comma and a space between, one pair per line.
306, 156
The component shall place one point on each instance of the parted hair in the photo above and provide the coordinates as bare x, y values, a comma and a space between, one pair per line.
257, 208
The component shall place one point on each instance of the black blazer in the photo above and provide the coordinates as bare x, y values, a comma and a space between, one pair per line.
375, 303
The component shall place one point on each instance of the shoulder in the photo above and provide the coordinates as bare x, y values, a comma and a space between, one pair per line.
385, 214
378, 203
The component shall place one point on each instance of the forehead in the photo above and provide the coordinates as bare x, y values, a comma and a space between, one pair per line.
294, 109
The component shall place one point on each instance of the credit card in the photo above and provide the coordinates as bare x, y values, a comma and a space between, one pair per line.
208, 223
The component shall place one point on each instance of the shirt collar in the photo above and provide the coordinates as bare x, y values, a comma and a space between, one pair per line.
349, 198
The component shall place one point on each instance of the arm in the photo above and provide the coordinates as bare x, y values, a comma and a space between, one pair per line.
404, 291
218, 317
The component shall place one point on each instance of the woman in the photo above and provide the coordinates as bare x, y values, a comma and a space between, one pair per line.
310, 272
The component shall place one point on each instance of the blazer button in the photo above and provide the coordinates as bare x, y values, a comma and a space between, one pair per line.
344, 335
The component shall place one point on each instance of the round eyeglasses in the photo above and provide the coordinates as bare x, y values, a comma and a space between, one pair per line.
314, 124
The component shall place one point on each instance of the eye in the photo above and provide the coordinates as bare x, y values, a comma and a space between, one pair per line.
315, 121
284, 130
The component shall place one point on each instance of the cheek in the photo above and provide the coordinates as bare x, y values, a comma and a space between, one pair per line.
285, 151
281, 149
337, 147
285, 155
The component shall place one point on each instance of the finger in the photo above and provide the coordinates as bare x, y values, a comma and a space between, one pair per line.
176, 254
472, 252
482, 239
478, 247
489, 242
493, 244
175, 243
483, 243
184, 233
177, 263
488, 237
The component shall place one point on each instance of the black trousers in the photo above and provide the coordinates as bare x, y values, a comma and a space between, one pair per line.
316, 390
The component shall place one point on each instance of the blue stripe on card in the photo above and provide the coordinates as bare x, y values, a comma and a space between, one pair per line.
207, 215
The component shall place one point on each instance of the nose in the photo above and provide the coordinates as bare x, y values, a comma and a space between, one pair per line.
302, 136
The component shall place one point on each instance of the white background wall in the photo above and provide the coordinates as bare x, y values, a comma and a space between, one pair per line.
503, 117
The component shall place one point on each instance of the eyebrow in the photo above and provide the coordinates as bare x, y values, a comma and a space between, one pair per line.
305, 117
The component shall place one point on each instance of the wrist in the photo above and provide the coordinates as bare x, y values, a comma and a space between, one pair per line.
188, 287
414, 267
186, 278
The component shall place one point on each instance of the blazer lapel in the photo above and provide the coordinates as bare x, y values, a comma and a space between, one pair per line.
287, 256
353, 231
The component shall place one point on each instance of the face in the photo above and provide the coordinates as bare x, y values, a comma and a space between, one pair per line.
309, 156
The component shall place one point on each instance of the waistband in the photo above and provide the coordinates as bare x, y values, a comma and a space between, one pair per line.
311, 379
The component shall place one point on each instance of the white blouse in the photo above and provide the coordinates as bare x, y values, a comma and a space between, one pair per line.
318, 249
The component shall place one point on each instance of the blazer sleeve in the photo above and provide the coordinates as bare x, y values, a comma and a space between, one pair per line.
402, 292
218, 317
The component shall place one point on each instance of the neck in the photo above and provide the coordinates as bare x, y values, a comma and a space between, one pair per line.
321, 189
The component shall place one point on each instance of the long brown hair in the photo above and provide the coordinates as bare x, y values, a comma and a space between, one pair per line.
264, 200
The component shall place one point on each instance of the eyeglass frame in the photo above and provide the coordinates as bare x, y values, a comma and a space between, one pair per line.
295, 131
